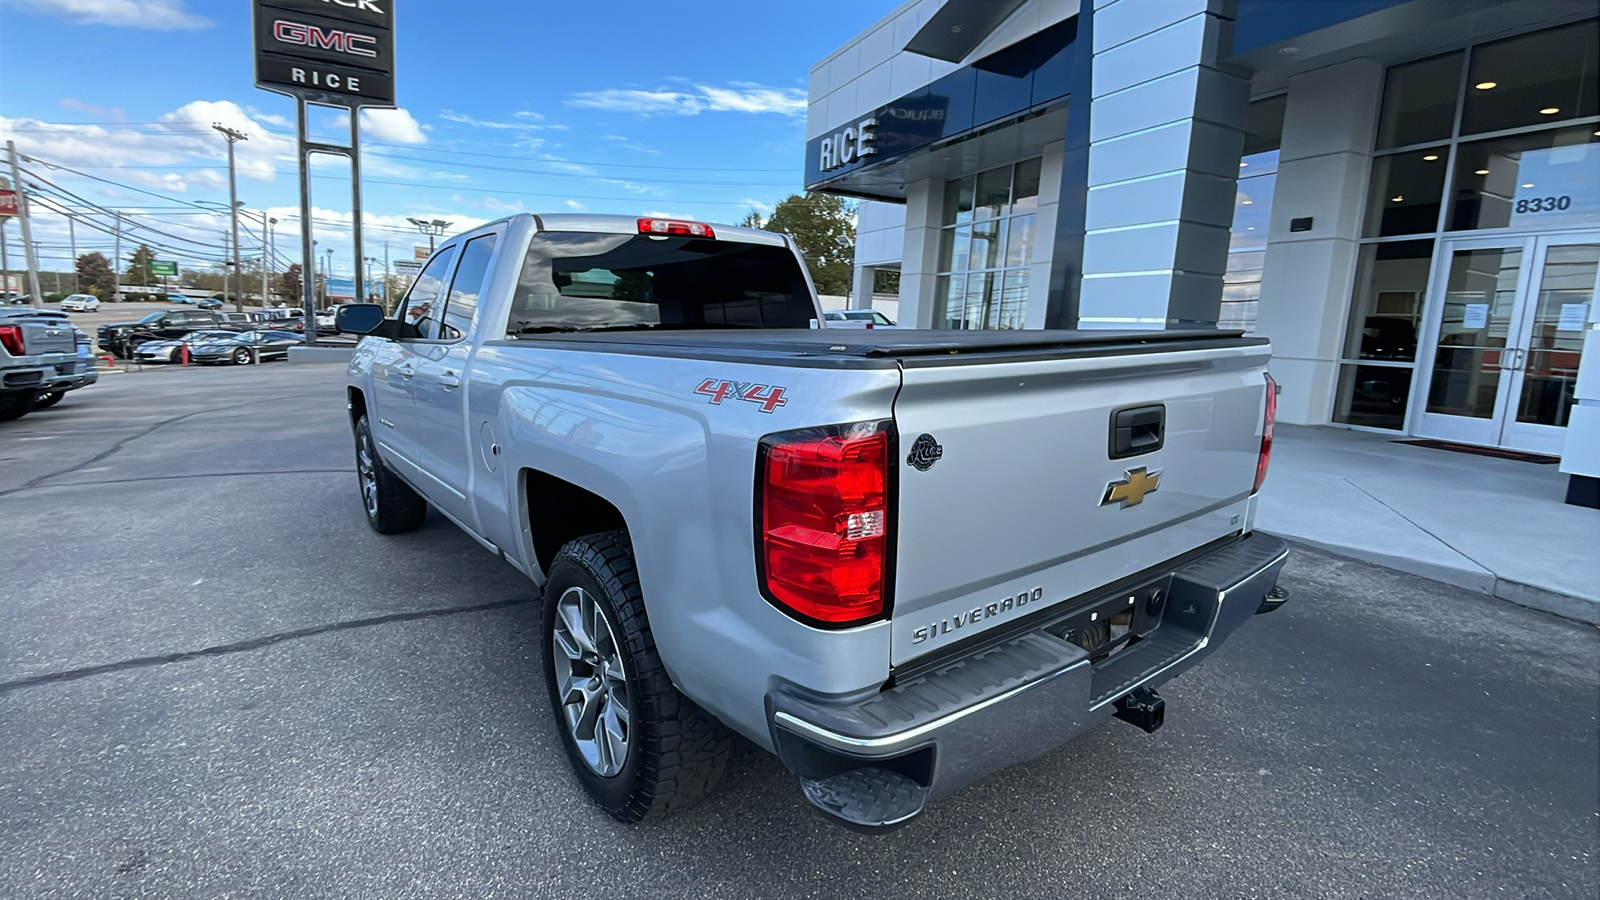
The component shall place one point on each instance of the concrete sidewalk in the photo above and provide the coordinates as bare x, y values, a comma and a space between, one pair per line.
1492, 525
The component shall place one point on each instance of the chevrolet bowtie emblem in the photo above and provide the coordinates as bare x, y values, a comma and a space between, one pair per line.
1130, 490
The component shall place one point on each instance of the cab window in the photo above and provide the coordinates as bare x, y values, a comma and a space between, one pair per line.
465, 288
418, 315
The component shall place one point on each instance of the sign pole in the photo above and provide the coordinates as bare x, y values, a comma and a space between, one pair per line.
355, 196
27, 232
308, 285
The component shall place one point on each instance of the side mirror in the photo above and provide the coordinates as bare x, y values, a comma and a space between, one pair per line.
358, 318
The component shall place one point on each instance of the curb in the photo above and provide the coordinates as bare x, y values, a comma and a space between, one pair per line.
1577, 609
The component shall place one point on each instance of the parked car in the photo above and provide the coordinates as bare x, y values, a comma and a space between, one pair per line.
80, 303
123, 338
179, 298
18, 300
208, 303
899, 560
168, 351
871, 317
245, 348
38, 353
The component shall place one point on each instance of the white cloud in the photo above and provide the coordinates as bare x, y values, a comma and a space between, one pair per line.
741, 97
658, 214
109, 113
575, 206
155, 15
765, 209
531, 121
393, 126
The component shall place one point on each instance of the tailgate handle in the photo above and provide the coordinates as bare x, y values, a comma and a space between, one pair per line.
1137, 430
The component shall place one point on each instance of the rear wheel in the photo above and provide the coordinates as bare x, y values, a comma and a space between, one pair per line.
16, 404
392, 506
48, 399
639, 747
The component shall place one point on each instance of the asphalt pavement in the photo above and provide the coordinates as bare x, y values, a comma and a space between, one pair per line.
216, 681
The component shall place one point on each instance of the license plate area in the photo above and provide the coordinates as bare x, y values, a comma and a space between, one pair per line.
1115, 623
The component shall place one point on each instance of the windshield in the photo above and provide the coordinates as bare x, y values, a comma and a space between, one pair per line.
201, 337
153, 317
575, 281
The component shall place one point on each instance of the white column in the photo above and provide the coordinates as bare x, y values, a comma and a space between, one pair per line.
924, 212
1306, 285
861, 287
1582, 454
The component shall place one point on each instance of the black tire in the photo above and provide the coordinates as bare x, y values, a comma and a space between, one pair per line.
16, 404
48, 399
675, 752
392, 507
241, 357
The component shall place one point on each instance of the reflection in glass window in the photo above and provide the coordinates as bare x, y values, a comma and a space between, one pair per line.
1534, 79
1538, 180
1247, 241
1555, 346
462, 302
1478, 302
986, 248
417, 311
1385, 320
1406, 192
1419, 101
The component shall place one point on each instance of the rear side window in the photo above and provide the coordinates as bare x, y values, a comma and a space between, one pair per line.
572, 281
465, 288
418, 311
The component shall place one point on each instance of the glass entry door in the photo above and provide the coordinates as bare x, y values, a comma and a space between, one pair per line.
1505, 339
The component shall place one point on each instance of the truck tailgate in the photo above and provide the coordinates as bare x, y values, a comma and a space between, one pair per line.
1009, 516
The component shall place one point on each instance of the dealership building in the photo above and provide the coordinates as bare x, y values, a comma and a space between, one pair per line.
1404, 195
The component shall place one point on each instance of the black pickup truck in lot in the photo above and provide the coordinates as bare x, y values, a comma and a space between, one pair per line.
123, 338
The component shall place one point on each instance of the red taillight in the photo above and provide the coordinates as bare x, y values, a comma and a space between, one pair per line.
1266, 433
675, 227
824, 522
11, 339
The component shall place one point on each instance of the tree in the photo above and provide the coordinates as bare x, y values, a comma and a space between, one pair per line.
289, 284
139, 265
96, 275
824, 226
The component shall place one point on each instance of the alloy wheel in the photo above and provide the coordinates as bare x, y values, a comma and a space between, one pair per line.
591, 681
367, 471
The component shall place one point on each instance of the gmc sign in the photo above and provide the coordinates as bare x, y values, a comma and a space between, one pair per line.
300, 34
334, 52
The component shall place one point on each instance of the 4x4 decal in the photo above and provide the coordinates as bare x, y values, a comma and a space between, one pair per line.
768, 396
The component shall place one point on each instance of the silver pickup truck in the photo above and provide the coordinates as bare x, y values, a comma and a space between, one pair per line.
900, 560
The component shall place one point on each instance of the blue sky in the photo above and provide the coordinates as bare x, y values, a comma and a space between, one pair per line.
693, 109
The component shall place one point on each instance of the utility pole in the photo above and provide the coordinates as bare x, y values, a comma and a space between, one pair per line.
234, 136
116, 270
72, 231
5, 259
27, 231
227, 276
386, 277
266, 248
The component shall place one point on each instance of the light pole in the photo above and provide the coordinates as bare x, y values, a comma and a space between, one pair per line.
327, 273
366, 283
430, 228
234, 136
266, 254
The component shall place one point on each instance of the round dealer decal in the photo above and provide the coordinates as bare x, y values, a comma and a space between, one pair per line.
925, 451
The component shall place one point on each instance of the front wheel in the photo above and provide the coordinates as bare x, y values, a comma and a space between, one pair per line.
638, 746
241, 357
391, 505
48, 399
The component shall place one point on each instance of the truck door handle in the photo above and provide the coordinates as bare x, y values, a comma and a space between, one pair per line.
450, 381
405, 370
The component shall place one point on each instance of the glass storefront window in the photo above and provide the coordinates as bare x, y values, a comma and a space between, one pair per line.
1539, 180
986, 248
1381, 339
1406, 192
1247, 241
1386, 315
1534, 79
1419, 102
